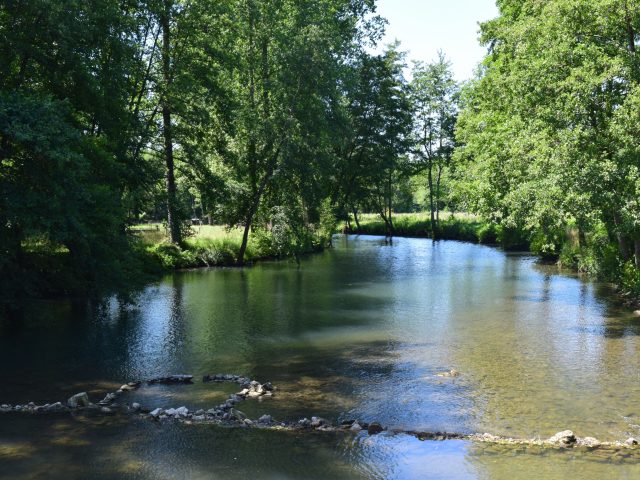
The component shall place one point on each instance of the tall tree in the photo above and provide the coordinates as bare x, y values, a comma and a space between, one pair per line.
434, 94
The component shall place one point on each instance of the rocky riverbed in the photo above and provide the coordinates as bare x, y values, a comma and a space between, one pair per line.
227, 414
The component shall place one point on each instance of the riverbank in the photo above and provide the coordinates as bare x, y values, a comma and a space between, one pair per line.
219, 246
460, 226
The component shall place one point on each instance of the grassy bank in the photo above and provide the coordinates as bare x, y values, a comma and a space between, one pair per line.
214, 245
460, 226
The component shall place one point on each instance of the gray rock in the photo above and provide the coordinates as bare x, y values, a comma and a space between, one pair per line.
157, 412
631, 441
110, 397
4, 408
79, 400
55, 407
237, 414
589, 442
106, 410
170, 412
136, 407
182, 411
317, 422
248, 422
305, 423
200, 412
265, 419
355, 427
565, 437
198, 418
172, 379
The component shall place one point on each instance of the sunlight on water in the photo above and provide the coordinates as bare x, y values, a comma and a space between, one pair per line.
361, 331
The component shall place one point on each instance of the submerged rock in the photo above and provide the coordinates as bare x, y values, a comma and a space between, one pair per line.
355, 427
589, 442
374, 428
450, 374
172, 379
157, 412
265, 419
79, 400
563, 438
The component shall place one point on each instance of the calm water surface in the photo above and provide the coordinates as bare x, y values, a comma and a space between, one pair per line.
358, 332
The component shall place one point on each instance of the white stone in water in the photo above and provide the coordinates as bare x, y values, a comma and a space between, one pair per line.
182, 411
171, 412
565, 437
631, 441
157, 412
590, 442
136, 406
79, 400
355, 427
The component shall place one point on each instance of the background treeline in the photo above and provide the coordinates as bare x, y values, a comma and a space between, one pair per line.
274, 119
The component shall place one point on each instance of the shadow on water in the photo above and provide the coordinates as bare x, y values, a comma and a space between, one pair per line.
361, 331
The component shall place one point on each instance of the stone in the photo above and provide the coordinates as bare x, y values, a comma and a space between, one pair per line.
157, 412
198, 418
243, 393
55, 407
4, 408
127, 388
136, 407
110, 397
450, 374
79, 400
268, 387
172, 379
106, 410
248, 422
565, 437
265, 419
589, 442
182, 411
170, 412
631, 442
355, 427
317, 422
374, 428
304, 423
237, 414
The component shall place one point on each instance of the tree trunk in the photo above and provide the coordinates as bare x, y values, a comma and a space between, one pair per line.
172, 218
440, 168
355, 218
257, 196
431, 204
636, 251
622, 241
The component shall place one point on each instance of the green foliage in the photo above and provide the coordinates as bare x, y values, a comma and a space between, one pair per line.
548, 133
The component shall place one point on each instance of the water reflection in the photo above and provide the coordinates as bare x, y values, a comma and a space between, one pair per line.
360, 331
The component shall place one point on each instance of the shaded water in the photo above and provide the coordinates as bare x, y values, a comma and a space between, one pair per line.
358, 332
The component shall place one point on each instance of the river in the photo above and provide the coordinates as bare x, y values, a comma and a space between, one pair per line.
360, 331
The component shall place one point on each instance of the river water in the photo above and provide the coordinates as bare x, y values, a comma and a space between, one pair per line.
360, 331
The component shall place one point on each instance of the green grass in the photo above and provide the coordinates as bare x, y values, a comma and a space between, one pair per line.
461, 226
213, 245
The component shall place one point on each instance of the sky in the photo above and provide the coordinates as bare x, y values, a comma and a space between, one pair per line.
426, 26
